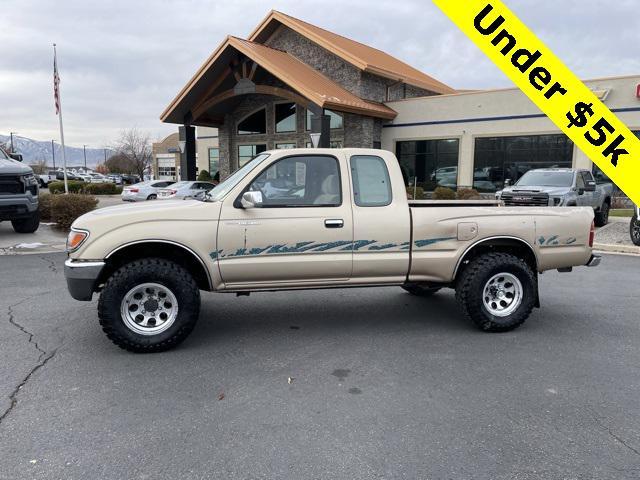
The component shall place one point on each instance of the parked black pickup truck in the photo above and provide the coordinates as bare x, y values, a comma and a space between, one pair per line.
18, 194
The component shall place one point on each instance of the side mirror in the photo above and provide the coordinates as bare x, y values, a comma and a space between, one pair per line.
507, 182
16, 156
591, 186
581, 191
251, 200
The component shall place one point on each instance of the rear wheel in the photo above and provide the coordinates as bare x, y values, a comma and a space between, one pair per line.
420, 290
149, 305
634, 230
497, 291
27, 225
602, 215
153, 196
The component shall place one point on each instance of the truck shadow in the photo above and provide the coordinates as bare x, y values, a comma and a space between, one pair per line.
377, 311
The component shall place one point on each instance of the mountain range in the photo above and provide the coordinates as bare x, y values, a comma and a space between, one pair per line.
38, 150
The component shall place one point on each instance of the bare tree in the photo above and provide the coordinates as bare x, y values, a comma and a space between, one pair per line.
39, 167
135, 146
119, 163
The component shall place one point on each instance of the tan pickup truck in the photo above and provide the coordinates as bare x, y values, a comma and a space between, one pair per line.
314, 218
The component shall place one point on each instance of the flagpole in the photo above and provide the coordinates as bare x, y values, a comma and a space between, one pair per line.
64, 153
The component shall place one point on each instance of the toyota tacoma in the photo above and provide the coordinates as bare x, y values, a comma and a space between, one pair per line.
309, 219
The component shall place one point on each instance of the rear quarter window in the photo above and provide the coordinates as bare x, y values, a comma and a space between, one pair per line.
371, 183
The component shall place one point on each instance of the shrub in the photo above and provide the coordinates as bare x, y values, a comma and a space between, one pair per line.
204, 176
74, 186
419, 193
44, 205
66, 208
443, 193
100, 189
468, 194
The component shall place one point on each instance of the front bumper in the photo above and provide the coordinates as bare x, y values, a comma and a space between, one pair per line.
81, 278
15, 207
594, 261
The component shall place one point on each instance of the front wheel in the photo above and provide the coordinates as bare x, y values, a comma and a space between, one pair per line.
634, 230
149, 305
27, 225
497, 291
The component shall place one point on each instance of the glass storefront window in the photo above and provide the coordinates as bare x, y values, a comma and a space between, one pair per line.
285, 117
498, 159
214, 161
429, 163
254, 124
601, 177
335, 122
247, 152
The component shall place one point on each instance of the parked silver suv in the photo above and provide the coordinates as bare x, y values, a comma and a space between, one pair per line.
634, 228
560, 187
18, 194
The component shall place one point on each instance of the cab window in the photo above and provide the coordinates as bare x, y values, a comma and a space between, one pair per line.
300, 181
371, 183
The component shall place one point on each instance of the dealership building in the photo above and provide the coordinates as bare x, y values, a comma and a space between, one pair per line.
290, 79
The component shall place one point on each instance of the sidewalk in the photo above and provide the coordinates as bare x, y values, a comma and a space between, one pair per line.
614, 237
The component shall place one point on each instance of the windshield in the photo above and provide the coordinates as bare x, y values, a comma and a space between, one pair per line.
223, 188
546, 179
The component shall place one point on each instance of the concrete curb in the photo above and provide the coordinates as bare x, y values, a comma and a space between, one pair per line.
606, 247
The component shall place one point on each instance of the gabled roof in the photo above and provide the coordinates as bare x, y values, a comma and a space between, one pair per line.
303, 79
361, 56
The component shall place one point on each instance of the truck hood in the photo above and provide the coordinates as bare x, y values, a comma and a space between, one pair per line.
111, 218
13, 167
557, 191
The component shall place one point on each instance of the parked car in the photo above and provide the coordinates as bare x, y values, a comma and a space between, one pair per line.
344, 222
130, 179
44, 179
18, 194
634, 227
144, 190
184, 189
115, 178
70, 176
98, 178
560, 187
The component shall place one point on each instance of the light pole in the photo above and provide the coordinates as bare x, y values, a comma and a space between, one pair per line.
84, 149
53, 154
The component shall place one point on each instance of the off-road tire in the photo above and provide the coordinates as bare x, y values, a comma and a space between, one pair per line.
27, 225
420, 290
634, 230
156, 270
602, 215
470, 288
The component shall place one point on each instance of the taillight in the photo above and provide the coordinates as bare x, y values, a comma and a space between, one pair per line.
592, 234
134, 190
173, 192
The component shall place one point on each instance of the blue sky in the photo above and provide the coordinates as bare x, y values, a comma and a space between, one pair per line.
121, 62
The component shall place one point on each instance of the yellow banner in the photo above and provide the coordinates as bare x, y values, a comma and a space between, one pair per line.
552, 87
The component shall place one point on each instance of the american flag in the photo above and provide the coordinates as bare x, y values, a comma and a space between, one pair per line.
56, 83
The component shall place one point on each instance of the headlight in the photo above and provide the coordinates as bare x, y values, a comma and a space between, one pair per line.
30, 180
557, 201
75, 239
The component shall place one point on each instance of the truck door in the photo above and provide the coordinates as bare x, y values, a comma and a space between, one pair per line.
302, 231
382, 222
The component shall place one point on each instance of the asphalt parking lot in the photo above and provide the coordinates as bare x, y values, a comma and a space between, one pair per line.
383, 385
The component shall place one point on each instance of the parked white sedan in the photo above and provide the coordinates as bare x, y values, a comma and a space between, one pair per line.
148, 190
184, 189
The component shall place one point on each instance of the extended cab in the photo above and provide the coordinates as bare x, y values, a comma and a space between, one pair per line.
18, 194
561, 187
314, 218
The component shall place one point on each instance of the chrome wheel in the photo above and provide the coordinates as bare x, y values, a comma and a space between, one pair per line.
502, 294
149, 309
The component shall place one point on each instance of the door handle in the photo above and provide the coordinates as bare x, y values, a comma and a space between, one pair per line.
334, 223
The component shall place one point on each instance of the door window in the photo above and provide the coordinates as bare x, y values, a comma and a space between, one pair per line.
371, 183
300, 181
